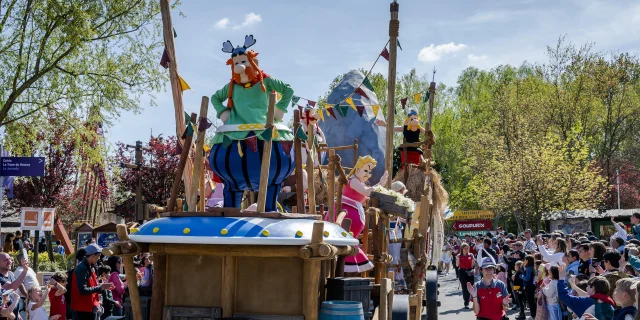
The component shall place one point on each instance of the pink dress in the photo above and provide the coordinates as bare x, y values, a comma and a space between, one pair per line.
352, 203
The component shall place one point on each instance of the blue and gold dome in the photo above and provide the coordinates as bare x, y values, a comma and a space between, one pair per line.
238, 231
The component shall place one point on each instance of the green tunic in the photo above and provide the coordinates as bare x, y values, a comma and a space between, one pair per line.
250, 106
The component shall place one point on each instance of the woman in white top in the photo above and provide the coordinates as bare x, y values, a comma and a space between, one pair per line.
559, 249
550, 292
620, 230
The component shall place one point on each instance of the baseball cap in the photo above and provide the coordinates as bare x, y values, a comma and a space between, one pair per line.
92, 249
487, 262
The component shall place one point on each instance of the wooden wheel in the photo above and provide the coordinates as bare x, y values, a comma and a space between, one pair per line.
400, 308
431, 295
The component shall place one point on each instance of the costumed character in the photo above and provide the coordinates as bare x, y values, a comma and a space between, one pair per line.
237, 146
411, 130
354, 196
310, 116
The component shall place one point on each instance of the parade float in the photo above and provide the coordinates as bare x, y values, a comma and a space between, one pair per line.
249, 259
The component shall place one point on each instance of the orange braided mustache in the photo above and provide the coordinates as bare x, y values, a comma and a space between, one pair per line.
254, 73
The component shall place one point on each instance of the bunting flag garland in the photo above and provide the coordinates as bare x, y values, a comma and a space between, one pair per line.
301, 135
321, 115
361, 92
398, 42
188, 131
164, 61
183, 84
426, 96
342, 110
240, 150
350, 102
286, 147
385, 54
332, 113
375, 108
252, 143
187, 119
403, 101
360, 110
226, 141
312, 103
294, 100
204, 124
267, 134
368, 84
274, 133
416, 98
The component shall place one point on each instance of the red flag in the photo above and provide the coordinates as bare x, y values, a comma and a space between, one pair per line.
286, 147
300, 109
361, 93
403, 101
164, 61
312, 103
307, 117
332, 113
360, 110
385, 53
252, 143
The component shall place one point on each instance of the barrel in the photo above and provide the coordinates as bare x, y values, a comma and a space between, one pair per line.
341, 310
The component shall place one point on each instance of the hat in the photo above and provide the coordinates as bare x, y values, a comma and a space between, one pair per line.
528, 231
593, 238
92, 249
487, 262
398, 186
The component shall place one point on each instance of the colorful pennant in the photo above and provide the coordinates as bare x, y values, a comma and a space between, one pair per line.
398, 42
368, 84
188, 132
164, 61
301, 135
274, 133
312, 103
416, 98
183, 84
342, 110
403, 102
240, 150
361, 92
252, 143
375, 108
350, 102
294, 100
321, 115
426, 96
385, 53
360, 110
286, 147
226, 141
332, 113
267, 134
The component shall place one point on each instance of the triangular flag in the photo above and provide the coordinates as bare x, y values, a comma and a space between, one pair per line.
426, 96
188, 131
286, 147
320, 114
175, 35
164, 61
385, 53
301, 135
342, 110
187, 118
416, 98
266, 134
226, 141
312, 103
294, 100
376, 108
278, 96
350, 102
252, 143
240, 150
183, 84
361, 92
331, 112
178, 149
360, 110
300, 109
398, 42
274, 133
403, 101
367, 84
307, 116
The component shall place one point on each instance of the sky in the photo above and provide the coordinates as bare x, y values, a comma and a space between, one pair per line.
308, 43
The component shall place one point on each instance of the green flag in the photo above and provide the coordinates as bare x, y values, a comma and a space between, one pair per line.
301, 135
294, 100
342, 110
367, 84
399, 46
226, 141
426, 96
266, 134
189, 130
187, 118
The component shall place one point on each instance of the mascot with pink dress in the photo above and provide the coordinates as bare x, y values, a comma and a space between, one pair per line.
354, 196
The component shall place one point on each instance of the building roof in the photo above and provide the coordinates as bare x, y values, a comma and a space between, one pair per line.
588, 214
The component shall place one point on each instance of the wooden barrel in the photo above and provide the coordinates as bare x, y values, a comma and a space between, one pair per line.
341, 310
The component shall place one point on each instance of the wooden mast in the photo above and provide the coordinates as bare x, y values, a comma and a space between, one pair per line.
176, 90
266, 156
394, 28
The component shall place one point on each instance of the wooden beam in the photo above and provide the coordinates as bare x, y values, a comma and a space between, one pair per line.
331, 186
225, 250
228, 295
159, 286
311, 192
394, 27
198, 167
266, 156
184, 158
130, 272
311, 277
297, 152
355, 152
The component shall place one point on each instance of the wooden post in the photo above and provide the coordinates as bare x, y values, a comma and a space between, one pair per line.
176, 90
158, 289
311, 277
406, 160
385, 287
297, 154
355, 152
198, 168
202, 186
228, 286
311, 193
432, 94
394, 27
266, 156
130, 272
346, 225
181, 166
331, 177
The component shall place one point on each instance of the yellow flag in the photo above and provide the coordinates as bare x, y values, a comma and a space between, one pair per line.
350, 102
416, 98
240, 150
376, 108
327, 106
274, 133
321, 114
183, 84
278, 96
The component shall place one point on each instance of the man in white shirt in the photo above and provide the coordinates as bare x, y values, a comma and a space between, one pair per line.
31, 280
530, 244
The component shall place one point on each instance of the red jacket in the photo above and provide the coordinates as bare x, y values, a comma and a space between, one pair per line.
85, 292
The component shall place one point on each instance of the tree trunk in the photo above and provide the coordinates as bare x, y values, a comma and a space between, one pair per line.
47, 236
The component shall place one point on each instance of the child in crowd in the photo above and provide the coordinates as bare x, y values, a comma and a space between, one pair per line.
57, 301
596, 302
10, 300
108, 303
550, 291
35, 302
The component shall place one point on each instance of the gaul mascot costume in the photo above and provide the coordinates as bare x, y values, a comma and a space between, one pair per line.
411, 131
237, 147
354, 197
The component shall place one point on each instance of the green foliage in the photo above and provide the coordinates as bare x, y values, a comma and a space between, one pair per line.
45, 265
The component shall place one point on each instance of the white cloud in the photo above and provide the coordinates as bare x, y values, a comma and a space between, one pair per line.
222, 23
249, 20
473, 58
434, 53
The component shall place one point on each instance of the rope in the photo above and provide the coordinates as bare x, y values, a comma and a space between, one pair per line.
394, 28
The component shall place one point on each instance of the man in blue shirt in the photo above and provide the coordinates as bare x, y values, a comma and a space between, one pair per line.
572, 260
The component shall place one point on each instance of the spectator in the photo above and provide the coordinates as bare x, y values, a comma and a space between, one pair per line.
624, 297
9, 281
115, 263
35, 302
30, 281
85, 291
490, 297
518, 288
17, 242
108, 303
528, 282
57, 302
621, 229
8, 242
9, 303
585, 260
465, 263
611, 271
67, 296
530, 244
594, 301
59, 249
572, 261
618, 244
550, 292
635, 230
559, 247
